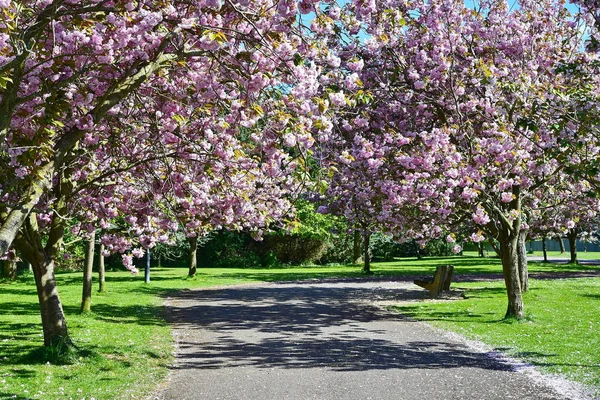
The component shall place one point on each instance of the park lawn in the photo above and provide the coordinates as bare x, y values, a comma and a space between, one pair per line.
125, 343
559, 334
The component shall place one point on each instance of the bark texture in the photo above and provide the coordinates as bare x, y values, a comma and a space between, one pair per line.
561, 244
193, 260
147, 269
9, 269
510, 263
86, 295
522, 255
544, 249
356, 247
367, 255
54, 323
572, 236
101, 270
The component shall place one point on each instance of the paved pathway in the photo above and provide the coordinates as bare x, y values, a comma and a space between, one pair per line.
326, 341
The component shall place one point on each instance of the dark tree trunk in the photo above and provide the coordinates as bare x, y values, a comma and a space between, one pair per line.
101, 270
572, 236
193, 260
544, 249
417, 250
510, 268
86, 295
356, 247
480, 249
367, 255
522, 255
561, 244
9, 269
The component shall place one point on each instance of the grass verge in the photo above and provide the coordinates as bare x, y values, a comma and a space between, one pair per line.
559, 334
125, 344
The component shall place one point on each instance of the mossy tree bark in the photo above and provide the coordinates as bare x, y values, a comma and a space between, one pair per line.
30, 245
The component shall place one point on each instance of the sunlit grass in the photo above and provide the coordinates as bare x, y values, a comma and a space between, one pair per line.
559, 334
125, 344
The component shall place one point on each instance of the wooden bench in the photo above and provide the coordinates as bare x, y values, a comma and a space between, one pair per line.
440, 282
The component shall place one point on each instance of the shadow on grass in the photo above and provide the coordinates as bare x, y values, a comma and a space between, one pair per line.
130, 314
12, 396
417, 313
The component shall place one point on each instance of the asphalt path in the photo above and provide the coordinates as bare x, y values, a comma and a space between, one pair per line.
328, 340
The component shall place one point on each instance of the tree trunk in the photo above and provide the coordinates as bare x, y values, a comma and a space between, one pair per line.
417, 250
561, 244
510, 268
86, 295
480, 249
356, 248
572, 236
101, 270
497, 249
54, 323
147, 269
9, 269
193, 259
367, 255
522, 256
544, 249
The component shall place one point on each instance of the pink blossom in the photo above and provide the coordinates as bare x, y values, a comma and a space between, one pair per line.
507, 197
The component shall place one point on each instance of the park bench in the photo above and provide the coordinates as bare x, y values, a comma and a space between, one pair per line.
440, 282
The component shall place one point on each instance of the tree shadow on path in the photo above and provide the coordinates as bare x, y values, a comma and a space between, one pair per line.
309, 326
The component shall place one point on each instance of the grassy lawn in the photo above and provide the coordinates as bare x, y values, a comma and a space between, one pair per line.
559, 335
125, 344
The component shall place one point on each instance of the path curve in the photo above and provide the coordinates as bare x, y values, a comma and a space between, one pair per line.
327, 340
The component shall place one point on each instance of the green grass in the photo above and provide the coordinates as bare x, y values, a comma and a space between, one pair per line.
559, 334
125, 343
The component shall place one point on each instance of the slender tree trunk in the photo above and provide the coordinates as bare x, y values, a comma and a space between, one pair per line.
572, 236
561, 244
367, 254
101, 270
356, 247
147, 269
522, 256
497, 249
417, 250
9, 269
510, 268
193, 259
480, 249
86, 295
544, 249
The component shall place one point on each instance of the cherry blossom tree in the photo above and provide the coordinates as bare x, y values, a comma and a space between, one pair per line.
93, 93
471, 111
